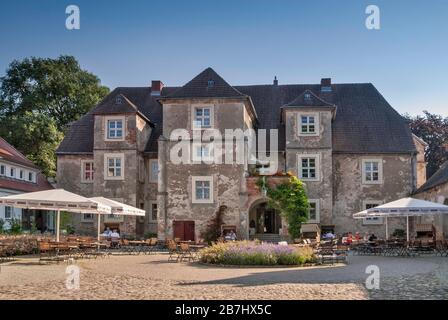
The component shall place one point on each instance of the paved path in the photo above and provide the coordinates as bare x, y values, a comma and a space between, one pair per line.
153, 277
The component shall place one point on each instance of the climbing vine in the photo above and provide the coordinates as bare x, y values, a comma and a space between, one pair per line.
290, 199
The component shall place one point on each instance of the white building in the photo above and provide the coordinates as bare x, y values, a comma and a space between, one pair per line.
20, 175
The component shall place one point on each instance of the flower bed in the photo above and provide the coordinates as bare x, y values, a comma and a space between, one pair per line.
252, 253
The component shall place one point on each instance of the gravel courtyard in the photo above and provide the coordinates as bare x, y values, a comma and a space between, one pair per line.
153, 277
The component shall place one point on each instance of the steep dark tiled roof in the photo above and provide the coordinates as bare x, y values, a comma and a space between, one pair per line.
364, 123
438, 178
115, 103
207, 84
308, 99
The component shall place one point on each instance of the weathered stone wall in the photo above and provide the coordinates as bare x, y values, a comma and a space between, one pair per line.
322, 189
349, 191
227, 180
294, 140
68, 177
175, 191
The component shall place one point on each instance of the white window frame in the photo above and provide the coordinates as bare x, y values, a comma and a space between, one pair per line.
380, 170
299, 166
83, 171
153, 176
372, 220
316, 124
193, 184
150, 219
202, 157
11, 212
90, 220
2, 167
317, 202
33, 176
12, 172
123, 127
108, 156
21, 174
193, 116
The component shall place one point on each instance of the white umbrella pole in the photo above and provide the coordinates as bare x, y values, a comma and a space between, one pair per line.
99, 227
387, 230
58, 224
407, 228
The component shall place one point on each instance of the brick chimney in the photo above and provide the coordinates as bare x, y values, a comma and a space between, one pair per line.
275, 83
325, 85
156, 87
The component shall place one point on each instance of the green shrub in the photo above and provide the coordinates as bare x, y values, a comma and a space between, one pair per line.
15, 226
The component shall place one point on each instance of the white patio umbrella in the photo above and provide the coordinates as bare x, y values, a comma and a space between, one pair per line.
56, 200
405, 207
117, 208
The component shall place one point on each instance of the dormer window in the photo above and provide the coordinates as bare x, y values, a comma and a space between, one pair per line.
118, 100
307, 96
115, 128
210, 83
308, 124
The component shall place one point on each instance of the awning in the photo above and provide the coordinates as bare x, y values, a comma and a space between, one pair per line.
310, 227
119, 208
55, 199
405, 207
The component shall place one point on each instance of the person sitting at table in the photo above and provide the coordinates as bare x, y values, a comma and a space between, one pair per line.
107, 232
230, 236
115, 234
328, 236
358, 236
372, 237
349, 240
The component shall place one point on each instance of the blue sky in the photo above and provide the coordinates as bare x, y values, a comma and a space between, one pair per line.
130, 43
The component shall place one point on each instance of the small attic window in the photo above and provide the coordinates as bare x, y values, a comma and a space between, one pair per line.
210, 83
307, 96
118, 100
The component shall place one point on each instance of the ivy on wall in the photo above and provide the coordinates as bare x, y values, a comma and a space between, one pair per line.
290, 200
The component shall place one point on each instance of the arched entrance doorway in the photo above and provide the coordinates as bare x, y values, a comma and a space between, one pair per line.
263, 220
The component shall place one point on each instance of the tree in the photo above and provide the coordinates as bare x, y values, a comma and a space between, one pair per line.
290, 200
433, 129
39, 97
36, 135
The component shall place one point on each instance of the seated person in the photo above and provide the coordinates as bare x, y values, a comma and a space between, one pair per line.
107, 232
349, 238
372, 237
328, 236
230, 236
358, 236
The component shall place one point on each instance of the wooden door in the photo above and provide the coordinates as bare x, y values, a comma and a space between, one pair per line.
189, 230
184, 230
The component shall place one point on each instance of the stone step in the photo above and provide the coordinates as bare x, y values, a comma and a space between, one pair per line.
269, 237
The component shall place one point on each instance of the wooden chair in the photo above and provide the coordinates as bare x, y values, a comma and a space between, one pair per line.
173, 250
185, 252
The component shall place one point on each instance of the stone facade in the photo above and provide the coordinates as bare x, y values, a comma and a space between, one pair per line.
186, 196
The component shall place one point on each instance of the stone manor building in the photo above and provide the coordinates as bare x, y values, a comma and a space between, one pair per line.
348, 145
